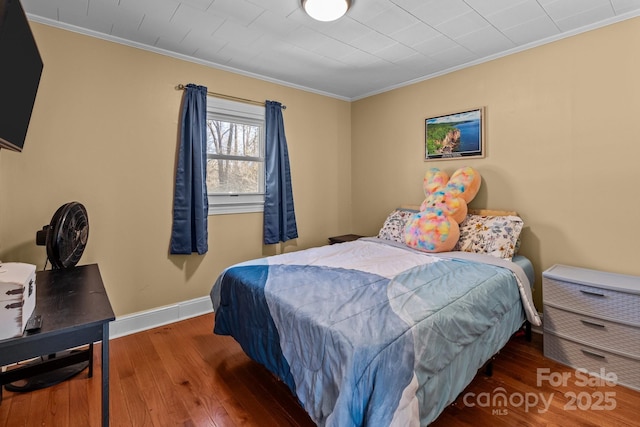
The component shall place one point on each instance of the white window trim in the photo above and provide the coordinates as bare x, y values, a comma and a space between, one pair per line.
220, 204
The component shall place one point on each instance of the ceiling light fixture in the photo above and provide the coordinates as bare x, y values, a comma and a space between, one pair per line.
326, 10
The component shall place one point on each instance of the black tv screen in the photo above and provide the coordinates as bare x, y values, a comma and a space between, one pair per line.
20, 71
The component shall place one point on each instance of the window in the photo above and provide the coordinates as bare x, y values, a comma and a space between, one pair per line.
235, 156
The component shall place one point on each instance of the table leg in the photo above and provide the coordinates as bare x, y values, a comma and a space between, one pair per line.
105, 374
90, 360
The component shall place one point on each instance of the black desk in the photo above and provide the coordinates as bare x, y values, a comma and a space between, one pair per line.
75, 311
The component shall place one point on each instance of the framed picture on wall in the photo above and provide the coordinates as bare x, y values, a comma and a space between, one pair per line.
456, 135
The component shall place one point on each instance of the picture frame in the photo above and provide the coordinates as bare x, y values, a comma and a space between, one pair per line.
455, 135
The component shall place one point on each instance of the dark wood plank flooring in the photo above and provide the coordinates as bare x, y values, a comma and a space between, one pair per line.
184, 375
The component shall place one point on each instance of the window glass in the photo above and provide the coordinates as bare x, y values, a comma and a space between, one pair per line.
235, 156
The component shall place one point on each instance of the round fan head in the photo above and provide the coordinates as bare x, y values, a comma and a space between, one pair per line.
66, 236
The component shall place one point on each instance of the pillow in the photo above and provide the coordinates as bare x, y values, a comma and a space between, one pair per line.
393, 227
492, 235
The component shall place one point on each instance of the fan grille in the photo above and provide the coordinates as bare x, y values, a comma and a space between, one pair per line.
67, 235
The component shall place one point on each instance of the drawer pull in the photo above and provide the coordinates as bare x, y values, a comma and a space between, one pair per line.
592, 354
587, 323
593, 294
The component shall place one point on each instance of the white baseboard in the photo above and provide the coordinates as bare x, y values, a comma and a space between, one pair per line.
143, 320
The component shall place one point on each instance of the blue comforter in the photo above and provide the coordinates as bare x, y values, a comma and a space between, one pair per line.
357, 347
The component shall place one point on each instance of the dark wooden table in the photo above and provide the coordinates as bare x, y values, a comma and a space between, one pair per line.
75, 312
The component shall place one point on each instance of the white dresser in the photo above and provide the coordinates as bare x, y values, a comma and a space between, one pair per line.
592, 321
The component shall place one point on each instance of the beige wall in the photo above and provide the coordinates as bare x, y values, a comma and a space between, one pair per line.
104, 132
562, 146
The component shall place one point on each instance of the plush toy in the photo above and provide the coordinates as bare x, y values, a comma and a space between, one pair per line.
435, 227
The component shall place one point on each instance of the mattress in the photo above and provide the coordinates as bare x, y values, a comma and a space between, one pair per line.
373, 333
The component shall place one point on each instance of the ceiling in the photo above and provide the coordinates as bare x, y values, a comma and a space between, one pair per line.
377, 46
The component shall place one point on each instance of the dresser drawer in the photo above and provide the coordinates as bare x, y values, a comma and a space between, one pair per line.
592, 359
603, 303
590, 330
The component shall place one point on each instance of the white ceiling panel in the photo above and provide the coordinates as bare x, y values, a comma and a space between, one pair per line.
582, 19
466, 23
563, 9
159, 9
485, 7
486, 42
240, 10
542, 28
438, 12
415, 62
516, 14
238, 55
332, 48
433, 46
205, 48
415, 34
395, 53
39, 8
345, 29
279, 7
365, 10
372, 41
625, 6
455, 56
391, 20
360, 59
171, 35
73, 10
200, 22
276, 25
308, 39
377, 45
236, 33
201, 5
80, 16
409, 5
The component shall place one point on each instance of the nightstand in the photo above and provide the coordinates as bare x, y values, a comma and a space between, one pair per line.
344, 238
592, 321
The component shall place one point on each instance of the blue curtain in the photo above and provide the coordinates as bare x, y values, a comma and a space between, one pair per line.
190, 203
279, 215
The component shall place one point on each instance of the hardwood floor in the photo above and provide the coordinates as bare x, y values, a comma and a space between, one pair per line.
184, 375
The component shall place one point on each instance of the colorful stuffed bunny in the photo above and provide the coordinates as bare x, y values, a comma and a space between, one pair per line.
435, 227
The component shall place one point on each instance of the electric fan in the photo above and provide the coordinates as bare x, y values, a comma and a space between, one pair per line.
65, 238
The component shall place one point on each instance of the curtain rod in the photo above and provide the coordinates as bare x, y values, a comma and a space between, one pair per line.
229, 97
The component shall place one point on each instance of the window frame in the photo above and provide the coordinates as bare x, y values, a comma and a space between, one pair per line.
238, 112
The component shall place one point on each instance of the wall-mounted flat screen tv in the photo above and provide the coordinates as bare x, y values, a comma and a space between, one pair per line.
20, 71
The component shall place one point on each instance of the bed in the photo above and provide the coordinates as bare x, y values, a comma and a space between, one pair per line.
372, 332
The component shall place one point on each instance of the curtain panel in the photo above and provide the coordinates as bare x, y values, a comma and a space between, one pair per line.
190, 205
279, 214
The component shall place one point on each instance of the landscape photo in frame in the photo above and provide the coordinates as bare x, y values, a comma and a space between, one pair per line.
453, 136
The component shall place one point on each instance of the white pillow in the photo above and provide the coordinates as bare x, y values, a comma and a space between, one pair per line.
492, 235
393, 227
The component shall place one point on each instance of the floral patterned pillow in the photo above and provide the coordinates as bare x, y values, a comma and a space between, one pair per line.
393, 227
493, 235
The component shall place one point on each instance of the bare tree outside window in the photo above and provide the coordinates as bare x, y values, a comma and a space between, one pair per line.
233, 157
